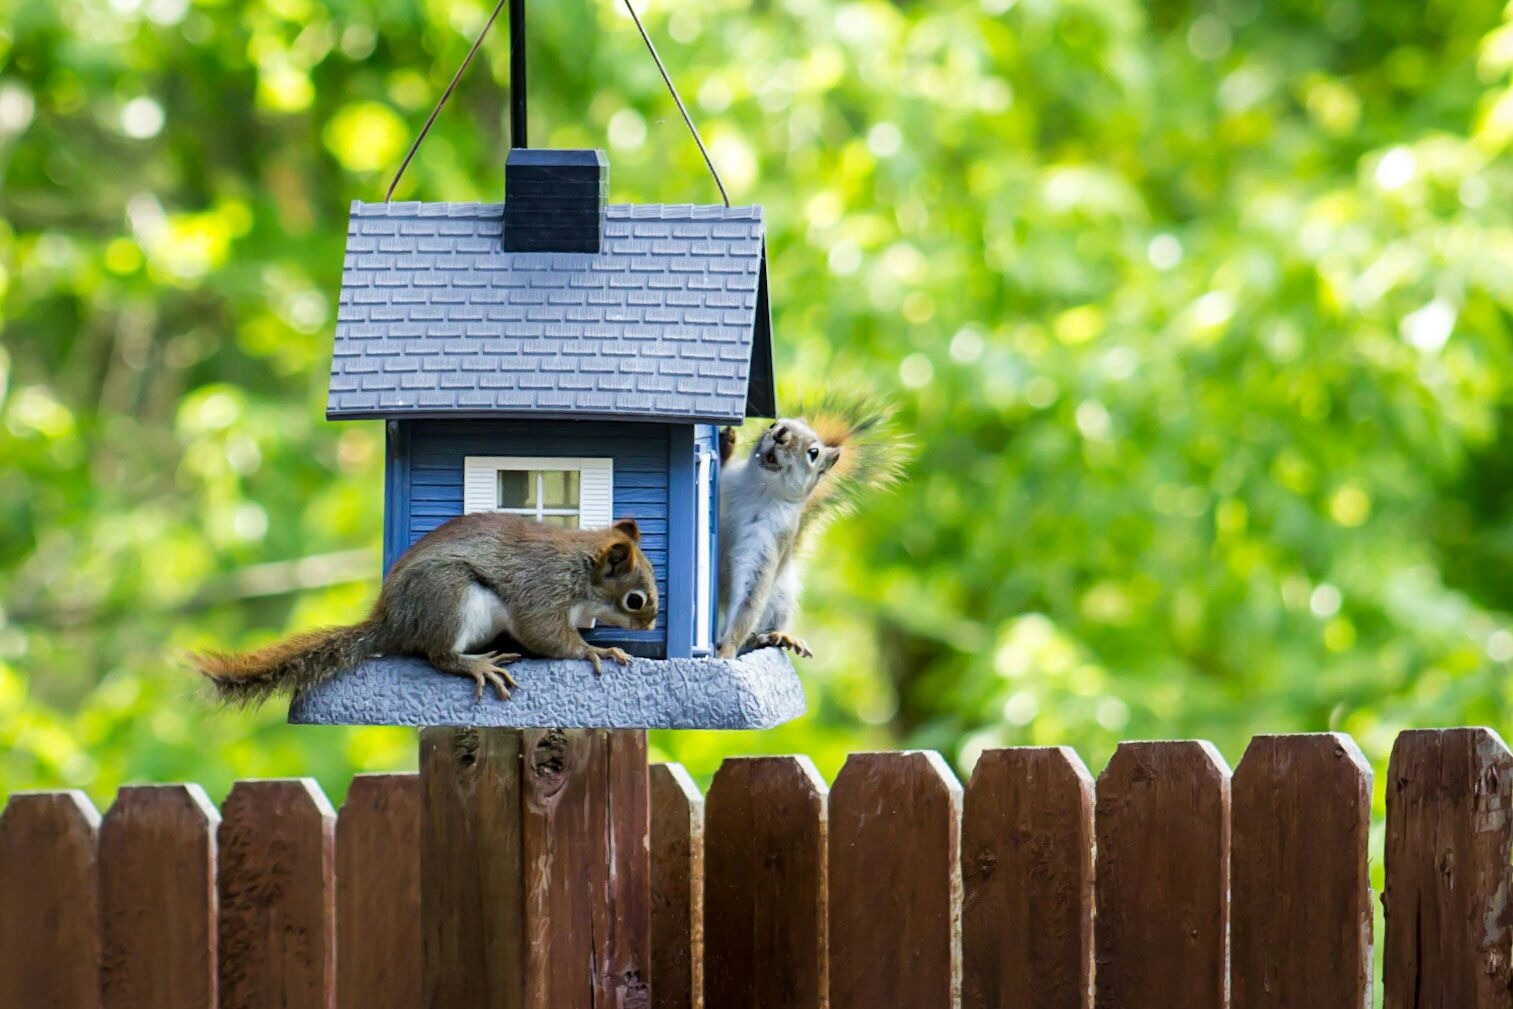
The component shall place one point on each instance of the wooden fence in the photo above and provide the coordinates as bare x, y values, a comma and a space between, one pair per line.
1168, 883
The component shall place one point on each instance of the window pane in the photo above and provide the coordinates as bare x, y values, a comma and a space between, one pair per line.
515, 488
559, 489
563, 521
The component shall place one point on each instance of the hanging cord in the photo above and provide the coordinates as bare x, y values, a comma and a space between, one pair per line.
650, 47
443, 99
694, 130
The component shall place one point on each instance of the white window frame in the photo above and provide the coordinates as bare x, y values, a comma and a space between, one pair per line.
596, 482
703, 505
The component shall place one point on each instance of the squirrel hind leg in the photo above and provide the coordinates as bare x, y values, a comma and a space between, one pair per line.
488, 669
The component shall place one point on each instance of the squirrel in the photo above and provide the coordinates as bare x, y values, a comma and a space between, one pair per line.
457, 589
799, 474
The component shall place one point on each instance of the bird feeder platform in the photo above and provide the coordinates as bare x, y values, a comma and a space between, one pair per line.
758, 690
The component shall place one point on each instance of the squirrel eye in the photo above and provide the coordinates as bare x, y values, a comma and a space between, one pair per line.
634, 600
814, 453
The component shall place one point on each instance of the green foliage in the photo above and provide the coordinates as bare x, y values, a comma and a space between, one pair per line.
1198, 315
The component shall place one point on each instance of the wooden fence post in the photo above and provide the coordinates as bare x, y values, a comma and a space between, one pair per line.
49, 902
1027, 870
378, 893
1162, 930
535, 868
277, 896
765, 885
158, 898
677, 889
895, 883
1300, 881
1449, 881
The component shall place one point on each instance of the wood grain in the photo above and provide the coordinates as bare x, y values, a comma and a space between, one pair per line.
1449, 831
1300, 883
158, 898
378, 942
586, 835
49, 902
471, 870
677, 889
277, 896
1027, 872
765, 885
1162, 814
895, 883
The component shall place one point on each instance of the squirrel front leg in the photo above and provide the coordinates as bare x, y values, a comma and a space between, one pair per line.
557, 638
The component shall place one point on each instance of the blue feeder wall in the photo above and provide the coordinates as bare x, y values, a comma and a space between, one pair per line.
662, 475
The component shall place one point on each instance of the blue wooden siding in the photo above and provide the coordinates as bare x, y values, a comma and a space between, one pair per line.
433, 470
681, 495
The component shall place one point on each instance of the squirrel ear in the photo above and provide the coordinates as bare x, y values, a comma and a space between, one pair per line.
630, 529
832, 456
615, 558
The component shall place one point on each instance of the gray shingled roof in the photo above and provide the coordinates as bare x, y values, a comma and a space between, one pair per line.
669, 321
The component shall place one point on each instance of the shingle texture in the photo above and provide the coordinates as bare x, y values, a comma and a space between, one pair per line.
436, 319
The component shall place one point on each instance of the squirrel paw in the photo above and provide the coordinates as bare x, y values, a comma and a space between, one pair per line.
782, 639
596, 654
490, 669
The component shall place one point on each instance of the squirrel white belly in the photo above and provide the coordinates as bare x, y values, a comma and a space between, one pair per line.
794, 477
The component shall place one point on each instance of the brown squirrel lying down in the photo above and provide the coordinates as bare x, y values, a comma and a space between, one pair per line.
458, 589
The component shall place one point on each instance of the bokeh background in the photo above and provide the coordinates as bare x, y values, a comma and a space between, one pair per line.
1198, 315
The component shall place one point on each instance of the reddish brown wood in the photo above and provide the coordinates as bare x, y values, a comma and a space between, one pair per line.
1300, 882
765, 885
1163, 877
378, 893
586, 837
1447, 898
471, 871
895, 883
535, 868
677, 889
277, 895
1027, 872
49, 902
158, 898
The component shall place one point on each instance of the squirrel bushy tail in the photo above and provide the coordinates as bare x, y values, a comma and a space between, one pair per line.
873, 452
286, 666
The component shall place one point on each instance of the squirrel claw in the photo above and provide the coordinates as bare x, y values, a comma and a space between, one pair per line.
596, 654
489, 670
782, 639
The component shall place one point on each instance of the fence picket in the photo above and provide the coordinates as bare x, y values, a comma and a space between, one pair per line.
471, 873
765, 885
378, 893
1162, 930
1300, 880
1449, 829
677, 889
158, 898
49, 902
586, 814
895, 883
1027, 870
277, 896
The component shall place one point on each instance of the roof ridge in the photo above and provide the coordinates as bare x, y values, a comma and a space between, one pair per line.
613, 211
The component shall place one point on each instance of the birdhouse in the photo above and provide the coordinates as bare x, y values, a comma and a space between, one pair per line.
571, 360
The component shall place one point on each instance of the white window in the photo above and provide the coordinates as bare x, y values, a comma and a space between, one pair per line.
572, 493
704, 506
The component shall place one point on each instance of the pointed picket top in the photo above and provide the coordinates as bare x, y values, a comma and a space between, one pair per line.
50, 914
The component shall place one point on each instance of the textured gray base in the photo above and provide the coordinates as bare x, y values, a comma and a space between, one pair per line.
756, 691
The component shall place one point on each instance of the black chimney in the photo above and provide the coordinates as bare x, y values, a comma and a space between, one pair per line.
554, 200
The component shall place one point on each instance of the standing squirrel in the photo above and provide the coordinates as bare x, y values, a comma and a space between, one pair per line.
798, 475
457, 589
